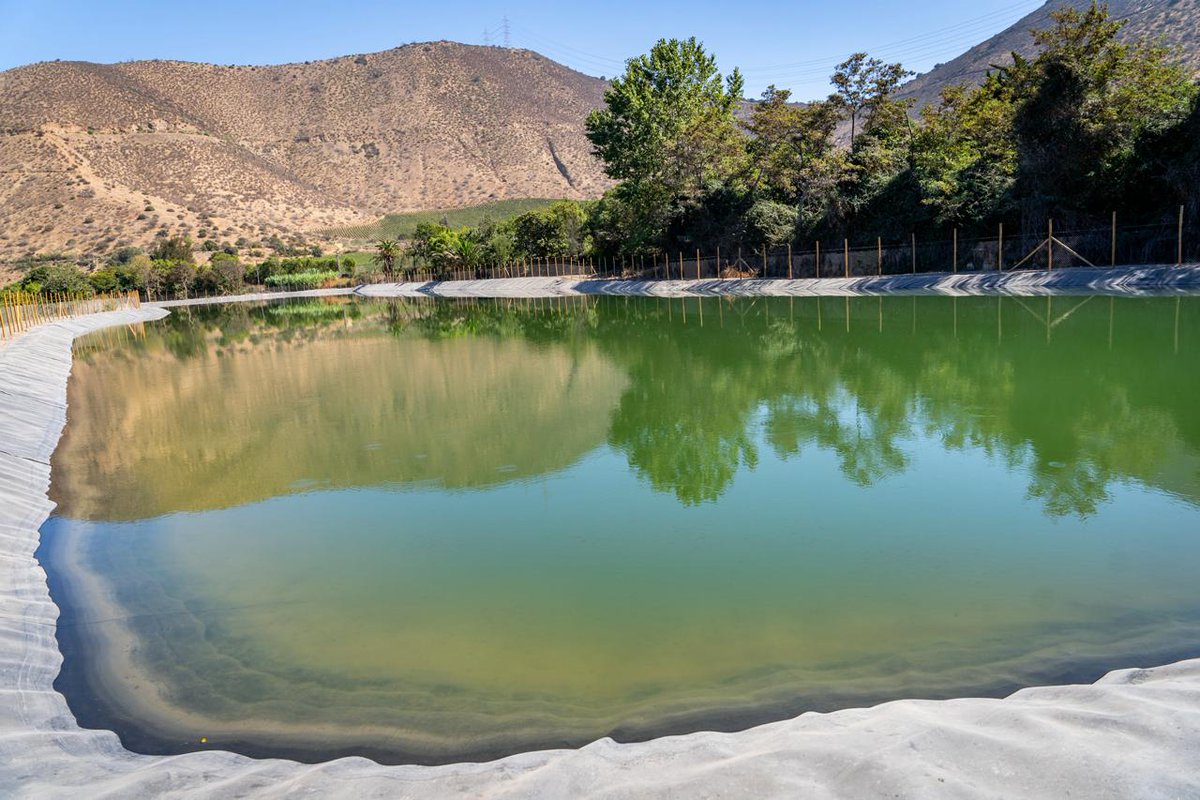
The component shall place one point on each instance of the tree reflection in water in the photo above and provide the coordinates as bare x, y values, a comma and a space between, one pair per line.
1078, 394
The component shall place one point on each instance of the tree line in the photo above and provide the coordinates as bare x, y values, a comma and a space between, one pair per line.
170, 270
1089, 126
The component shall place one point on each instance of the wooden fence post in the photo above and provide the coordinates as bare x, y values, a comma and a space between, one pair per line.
1000, 251
846, 256
790, 274
698, 266
879, 255
955, 251
1050, 247
1179, 258
818, 258
764, 269
1113, 258
914, 254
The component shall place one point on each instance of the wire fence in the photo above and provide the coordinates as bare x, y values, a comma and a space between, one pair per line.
20, 311
1050, 248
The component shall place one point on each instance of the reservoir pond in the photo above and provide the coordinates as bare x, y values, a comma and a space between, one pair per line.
428, 531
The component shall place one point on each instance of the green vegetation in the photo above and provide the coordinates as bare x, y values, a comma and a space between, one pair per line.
170, 270
1090, 126
303, 280
403, 226
558, 230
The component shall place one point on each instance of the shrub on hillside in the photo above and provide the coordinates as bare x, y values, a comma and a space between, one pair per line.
57, 278
224, 274
175, 248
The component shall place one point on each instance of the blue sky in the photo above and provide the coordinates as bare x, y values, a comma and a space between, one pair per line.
792, 44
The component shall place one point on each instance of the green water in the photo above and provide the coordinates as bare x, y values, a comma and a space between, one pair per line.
428, 531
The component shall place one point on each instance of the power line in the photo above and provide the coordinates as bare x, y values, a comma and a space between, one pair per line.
950, 40
962, 73
920, 46
984, 21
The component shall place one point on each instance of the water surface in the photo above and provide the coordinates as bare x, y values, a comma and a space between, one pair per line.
435, 530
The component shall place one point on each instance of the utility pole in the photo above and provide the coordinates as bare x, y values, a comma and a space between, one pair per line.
504, 26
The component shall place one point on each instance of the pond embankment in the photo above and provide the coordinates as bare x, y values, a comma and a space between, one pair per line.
1135, 733
1123, 281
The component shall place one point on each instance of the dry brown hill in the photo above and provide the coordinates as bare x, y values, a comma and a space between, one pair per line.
96, 154
1173, 22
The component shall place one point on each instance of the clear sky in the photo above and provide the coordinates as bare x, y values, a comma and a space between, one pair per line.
794, 44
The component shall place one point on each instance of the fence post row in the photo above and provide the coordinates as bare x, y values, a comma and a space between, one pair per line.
20, 311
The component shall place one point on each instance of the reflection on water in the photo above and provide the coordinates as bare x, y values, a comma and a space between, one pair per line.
431, 530
231, 410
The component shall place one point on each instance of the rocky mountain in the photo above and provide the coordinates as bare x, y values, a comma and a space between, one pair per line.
92, 155
1175, 23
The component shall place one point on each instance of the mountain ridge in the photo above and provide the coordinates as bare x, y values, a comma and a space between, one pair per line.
250, 151
1175, 22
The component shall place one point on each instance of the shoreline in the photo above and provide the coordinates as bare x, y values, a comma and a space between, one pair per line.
1116, 281
1133, 733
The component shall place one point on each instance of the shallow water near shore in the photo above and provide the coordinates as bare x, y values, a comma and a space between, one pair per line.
430, 531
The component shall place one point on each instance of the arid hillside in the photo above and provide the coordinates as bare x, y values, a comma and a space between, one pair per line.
1175, 23
92, 155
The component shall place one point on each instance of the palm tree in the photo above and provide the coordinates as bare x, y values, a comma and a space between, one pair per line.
468, 253
387, 251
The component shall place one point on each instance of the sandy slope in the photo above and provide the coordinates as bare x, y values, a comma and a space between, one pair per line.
1134, 734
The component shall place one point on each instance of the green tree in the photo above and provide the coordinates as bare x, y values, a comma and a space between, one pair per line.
770, 224
1088, 100
667, 130
864, 84
176, 248
965, 152
57, 277
439, 247
794, 156
554, 232
387, 251
175, 278
224, 274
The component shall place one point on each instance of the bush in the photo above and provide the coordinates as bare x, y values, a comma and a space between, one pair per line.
59, 277
224, 274
176, 248
123, 255
771, 224
302, 280
125, 277
175, 277
105, 280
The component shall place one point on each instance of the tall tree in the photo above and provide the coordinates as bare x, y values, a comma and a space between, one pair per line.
1089, 99
385, 255
864, 84
794, 157
966, 157
668, 129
